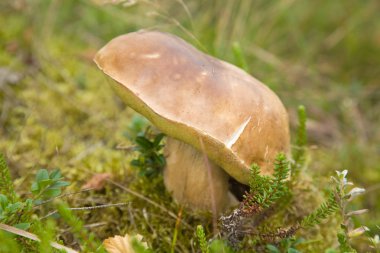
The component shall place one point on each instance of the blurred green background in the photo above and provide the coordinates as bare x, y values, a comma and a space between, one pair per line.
56, 109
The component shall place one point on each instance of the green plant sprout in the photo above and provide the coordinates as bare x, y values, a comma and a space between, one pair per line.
16, 212
21, 213
150, 160
202, 239
47, 185
343, 197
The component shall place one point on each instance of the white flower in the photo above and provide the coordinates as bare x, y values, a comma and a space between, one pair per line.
342, 176
375, 240
355, 192
358, 231
357, 212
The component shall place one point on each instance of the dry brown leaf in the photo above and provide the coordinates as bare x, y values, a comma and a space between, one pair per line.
97, 181
119, 244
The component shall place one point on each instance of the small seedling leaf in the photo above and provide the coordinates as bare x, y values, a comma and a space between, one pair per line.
158, 139
144, 142
42, 174
272, 249
51, 193
55, 174
59, 184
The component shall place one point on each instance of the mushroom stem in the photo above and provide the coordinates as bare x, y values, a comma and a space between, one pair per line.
194, 182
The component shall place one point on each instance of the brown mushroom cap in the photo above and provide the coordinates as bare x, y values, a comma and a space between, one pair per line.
196, 98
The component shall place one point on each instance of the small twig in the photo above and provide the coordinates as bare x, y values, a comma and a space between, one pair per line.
33, 237
280, 234
131, 216
136, 194
93, 225
85, 208
62, 196
128, 148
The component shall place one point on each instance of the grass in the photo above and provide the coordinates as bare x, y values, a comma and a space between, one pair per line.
57, 110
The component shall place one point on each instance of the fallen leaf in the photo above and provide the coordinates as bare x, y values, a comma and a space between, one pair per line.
120, 244
97, 181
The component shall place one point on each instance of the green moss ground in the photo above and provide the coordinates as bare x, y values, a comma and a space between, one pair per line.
57, 110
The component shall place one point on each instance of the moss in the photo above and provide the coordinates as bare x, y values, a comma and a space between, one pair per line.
62, 113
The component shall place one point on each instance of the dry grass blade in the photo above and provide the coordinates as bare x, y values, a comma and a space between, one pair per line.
136, 194
33, 237
84, 208
176, 229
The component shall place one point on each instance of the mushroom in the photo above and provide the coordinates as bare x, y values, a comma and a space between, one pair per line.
218, 119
